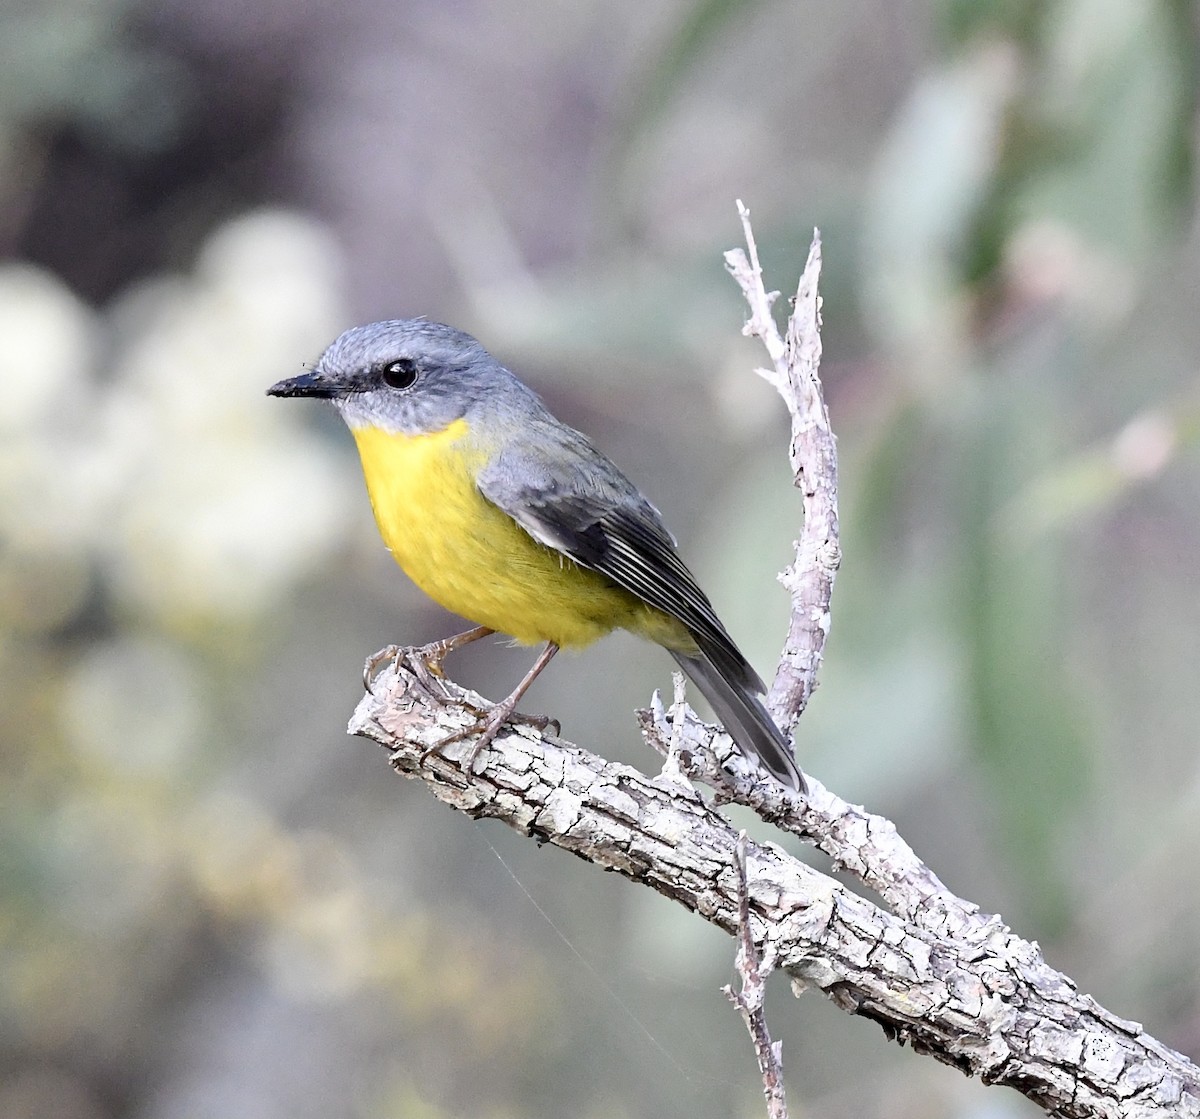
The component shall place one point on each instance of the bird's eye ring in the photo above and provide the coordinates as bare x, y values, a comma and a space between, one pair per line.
399, 374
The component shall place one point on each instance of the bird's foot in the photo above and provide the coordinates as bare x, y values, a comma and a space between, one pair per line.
426, 660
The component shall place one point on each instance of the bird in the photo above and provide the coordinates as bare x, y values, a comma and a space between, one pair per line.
517, 522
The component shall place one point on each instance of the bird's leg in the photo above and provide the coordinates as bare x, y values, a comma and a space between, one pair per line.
503, 711
491, 721
435, 652
427, 659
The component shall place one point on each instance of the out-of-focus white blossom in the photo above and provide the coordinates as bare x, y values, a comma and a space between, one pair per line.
46, 395
201, 499
133, 705
225, 530
49, 342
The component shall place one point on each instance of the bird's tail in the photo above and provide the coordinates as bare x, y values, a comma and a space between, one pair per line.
744, 717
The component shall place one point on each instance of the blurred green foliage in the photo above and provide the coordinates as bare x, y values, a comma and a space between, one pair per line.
212, 905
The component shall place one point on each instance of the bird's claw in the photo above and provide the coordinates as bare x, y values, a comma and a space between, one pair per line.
372, 667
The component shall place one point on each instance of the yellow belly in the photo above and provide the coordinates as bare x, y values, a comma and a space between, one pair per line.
476, 561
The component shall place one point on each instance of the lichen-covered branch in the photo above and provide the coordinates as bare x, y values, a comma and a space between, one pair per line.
867, 846
795, 373
984, 1001
753, 969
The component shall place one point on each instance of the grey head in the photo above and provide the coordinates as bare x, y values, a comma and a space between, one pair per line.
408, 376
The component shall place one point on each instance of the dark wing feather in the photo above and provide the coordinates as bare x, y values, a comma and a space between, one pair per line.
568, 496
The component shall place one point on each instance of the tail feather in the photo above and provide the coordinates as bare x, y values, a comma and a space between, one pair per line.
744, 717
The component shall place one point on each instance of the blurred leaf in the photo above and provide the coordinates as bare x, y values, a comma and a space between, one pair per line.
932, 176
889, 710
1026, 727
1117, 101
691, 39
962, 22
1094, 479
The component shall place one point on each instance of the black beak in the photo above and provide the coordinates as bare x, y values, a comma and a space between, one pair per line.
307, 384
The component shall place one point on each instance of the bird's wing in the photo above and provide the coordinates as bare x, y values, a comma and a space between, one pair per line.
562, 491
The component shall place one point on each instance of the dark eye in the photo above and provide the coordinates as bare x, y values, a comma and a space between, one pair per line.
399, 374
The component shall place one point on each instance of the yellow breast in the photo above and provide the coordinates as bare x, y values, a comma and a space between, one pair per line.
474, 559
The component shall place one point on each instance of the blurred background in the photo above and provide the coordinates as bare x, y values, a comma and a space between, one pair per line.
214, 903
